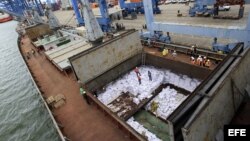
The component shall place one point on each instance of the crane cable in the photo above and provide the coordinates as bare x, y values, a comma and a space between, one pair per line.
69, 20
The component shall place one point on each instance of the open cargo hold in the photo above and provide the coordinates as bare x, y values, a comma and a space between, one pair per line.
138, 95
96, 69
121, 54
38, 30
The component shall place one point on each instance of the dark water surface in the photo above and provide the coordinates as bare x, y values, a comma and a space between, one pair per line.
23, 116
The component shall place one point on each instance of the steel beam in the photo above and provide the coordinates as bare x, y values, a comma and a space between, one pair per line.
39, 7
149, 15
77, 12
105, 16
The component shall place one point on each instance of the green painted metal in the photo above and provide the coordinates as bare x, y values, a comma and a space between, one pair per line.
153, 124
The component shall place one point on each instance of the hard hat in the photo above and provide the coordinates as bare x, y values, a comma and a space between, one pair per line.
199, 56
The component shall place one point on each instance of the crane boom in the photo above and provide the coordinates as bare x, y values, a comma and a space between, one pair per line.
94, 31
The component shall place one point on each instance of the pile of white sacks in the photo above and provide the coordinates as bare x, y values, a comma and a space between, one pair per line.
168, 100
143, 131
129, 83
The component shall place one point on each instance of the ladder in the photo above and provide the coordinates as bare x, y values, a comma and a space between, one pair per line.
143, 57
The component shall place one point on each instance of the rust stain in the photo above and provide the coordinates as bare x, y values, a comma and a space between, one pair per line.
207, 138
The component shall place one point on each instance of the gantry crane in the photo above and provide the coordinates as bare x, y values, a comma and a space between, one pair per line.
104, 21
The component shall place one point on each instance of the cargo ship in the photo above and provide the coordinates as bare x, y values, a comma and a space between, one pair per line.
127, 87
5, 17
57, 63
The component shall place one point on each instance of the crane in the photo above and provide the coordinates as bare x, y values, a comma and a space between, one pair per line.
52, 19
19, 6
94, 31
104, 21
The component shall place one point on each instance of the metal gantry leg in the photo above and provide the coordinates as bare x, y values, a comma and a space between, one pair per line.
77, 12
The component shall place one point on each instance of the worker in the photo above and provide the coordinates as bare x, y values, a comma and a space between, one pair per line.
84, 94
199, 60
208, 63
137, 71
168, 40
192, 59
204, 61
82, 91
33, 52
139, 79
194, 50
165, 52
149, 76
174, 54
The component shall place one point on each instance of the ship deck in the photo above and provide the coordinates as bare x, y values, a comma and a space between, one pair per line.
79, 121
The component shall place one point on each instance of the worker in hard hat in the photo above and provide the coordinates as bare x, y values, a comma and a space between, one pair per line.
174, 54
192, 59
165, 52
204, 61
208, 63
199, 60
